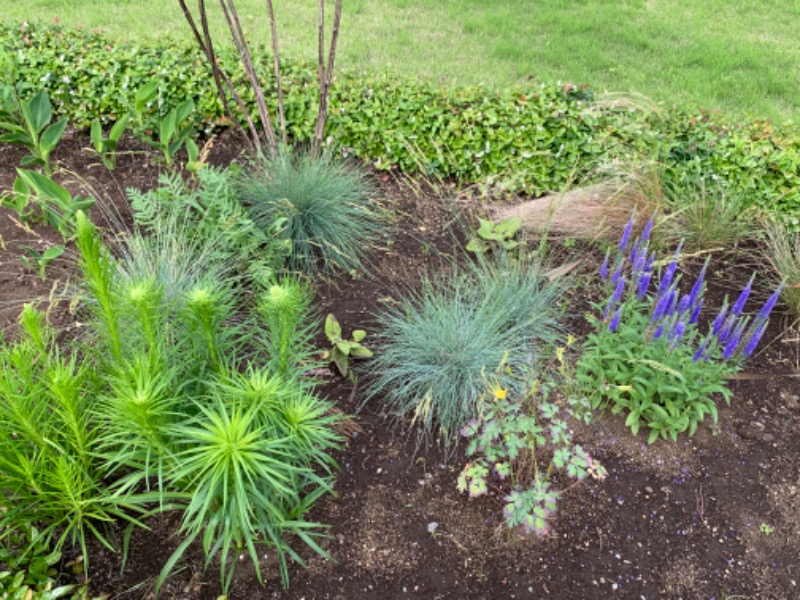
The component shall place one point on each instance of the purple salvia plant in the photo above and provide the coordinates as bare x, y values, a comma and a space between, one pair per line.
677, 334
738, 307
648, 229
649, 264
639, 263
618, 265
658, 332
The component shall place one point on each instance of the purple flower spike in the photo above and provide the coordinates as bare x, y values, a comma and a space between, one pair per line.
661, 308
615, 320
720, 318
618, 270
684, 304
696, 312
626, 233
639, 262
658, 332
604, 268
697, 288
738, 307
643, 284
649, 264
753, 341
763, 314
727, 328
669, 272
700, 351
678, 330
672, 299
733, 342
648, 228
615, 297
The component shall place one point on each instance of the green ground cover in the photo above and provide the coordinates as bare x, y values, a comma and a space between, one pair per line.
739, 57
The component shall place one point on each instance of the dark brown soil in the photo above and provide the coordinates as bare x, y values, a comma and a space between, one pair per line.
712, 516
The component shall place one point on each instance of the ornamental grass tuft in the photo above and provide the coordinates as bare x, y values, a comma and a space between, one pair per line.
438, 345
324, 204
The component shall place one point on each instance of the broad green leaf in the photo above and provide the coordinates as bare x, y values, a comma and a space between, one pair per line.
359, 334
39, 111
51, 136
333, 331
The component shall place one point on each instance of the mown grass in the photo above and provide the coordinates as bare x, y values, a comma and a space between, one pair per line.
739, 57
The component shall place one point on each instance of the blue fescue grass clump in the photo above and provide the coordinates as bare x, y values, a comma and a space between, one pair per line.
440, 342
324, 205
648, 355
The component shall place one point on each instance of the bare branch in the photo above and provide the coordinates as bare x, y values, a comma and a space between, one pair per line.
277, 64
220, 77
239, 41
326, 76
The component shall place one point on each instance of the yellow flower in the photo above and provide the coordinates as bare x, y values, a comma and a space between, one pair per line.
499, 393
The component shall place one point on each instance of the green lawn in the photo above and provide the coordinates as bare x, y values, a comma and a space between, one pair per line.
742, 57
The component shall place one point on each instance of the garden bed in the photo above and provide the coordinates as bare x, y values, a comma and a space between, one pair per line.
710, 516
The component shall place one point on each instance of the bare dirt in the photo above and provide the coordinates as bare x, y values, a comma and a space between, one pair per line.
712, 516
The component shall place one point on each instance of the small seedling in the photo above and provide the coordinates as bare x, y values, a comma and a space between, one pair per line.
342, 350
38, 261
766, 528
27, 123
491, 235
106, 147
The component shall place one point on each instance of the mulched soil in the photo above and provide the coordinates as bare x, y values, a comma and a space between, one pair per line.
712, 516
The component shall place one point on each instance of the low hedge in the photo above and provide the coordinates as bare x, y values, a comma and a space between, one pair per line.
531, 139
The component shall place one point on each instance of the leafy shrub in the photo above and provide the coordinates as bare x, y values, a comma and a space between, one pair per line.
534, 139
438, 344
647, 356
520, 437
324, 204
219, 227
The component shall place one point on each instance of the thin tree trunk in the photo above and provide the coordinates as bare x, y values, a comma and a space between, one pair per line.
239, 41
277, 64
221, 80
325, 74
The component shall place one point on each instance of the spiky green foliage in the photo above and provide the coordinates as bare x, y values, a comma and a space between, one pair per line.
438, 344
288, 332
208, 214
247, 461
325, 205
185, 408
52, 476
